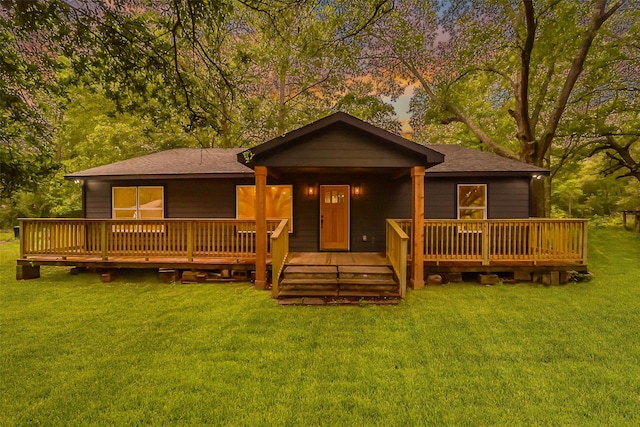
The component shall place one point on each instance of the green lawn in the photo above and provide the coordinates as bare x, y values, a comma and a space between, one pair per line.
75, 351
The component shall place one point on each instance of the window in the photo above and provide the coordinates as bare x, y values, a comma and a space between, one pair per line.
472, 201
334, 197
138, 203
279, 202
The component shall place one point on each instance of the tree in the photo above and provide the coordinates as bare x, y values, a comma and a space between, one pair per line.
520, 60
605, 114
26, 143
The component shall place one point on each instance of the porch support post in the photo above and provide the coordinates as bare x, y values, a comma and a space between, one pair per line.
417, 228
260, 173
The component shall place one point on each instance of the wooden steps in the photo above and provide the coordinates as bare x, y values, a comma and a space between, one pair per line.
335, 284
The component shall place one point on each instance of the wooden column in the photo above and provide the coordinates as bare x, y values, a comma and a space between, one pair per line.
261, 226
417, 228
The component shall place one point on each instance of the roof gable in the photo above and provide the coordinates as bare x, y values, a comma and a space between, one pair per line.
340, 140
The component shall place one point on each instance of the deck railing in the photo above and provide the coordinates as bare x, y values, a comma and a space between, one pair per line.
279, 252
502, 240
105, 238
397, 243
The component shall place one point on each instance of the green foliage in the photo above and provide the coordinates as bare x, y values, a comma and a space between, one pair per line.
26, 150
135, 78
91, 132
76, 351
580, 190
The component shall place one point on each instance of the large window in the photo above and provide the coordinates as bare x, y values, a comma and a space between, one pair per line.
138, 203
279, 202
472, 201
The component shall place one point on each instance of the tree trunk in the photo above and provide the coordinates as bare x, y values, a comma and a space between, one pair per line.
282, 114
538, 192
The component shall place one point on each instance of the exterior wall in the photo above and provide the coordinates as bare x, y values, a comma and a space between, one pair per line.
213, 198
382, 197
98, 199
507, 197
368, 211
187, 198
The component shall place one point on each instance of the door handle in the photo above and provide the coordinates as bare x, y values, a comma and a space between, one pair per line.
321, 220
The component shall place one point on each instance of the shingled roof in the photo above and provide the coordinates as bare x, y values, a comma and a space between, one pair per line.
223, 163
463, 161
177, 163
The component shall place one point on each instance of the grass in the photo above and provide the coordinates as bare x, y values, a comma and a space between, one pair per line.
75, 351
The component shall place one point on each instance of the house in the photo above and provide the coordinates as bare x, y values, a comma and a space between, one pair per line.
337, 182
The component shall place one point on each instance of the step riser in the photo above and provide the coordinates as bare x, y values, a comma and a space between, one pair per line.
308, 287
369, 288
351, 289
342, 281
366, 276
310, 276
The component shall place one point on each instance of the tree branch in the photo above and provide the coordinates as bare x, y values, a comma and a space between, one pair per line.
473, 126
599, 16
522, 86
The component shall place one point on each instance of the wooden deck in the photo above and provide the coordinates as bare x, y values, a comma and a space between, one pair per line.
337, 258
114, 262
483, 246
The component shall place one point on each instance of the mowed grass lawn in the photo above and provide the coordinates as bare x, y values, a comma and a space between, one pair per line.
75, 351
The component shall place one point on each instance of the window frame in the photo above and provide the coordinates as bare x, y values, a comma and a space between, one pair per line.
289, 186
484, 209
154, 229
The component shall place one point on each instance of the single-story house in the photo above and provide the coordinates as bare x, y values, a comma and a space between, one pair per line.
337, 181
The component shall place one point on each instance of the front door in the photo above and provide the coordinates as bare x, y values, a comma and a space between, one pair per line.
334, 217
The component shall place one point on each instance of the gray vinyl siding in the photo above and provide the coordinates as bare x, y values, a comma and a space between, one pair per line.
190, 198
368, 212
98, 199
340, 147
201, 198
382, 197
507, 197
440, 199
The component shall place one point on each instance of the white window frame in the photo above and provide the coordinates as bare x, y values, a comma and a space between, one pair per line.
484, 209
268, 218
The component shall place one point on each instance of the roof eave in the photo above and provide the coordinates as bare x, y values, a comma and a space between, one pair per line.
473, 174
130, 177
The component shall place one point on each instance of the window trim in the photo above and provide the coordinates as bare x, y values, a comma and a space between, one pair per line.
484, 209
289, 186
137, 228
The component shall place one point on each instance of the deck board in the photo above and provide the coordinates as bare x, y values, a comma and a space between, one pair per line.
143, 262
294, 259
337, 258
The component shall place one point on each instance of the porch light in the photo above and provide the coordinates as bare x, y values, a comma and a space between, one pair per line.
310, 191
537, 176
76, 181
357, 190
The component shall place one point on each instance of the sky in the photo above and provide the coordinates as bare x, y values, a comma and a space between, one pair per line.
401, 106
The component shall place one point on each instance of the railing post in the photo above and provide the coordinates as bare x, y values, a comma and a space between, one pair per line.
23, 238
402, 271
190, 241
260, 173
485, 242
279, 252
417, 230
103, 240
585, 229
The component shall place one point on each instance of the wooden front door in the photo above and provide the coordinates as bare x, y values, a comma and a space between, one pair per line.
334, 217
